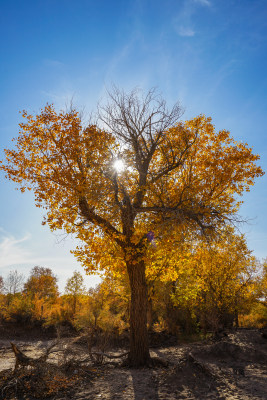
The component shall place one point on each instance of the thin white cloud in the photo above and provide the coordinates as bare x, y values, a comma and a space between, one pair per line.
120, 58
53, 63
183, 22
186, 31
20, 254
222, 73
11, 250
203, 2
62, 99
15, 251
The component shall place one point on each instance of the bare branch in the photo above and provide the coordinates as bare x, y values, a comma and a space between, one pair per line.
138, 120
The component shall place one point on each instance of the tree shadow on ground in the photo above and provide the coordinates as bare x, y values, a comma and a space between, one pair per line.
188, 380
145, 385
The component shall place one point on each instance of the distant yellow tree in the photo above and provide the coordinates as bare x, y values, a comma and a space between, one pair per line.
42, 283
263, 284
225, 273
144, 173
42, 291
74, 289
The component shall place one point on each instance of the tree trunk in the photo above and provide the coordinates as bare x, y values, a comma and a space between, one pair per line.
236, 319
74, 304
139, 349
149, 314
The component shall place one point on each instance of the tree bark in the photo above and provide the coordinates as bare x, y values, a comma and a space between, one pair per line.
149, 314
139, 348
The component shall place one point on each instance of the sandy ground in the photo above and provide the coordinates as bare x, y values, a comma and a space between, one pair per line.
233, 368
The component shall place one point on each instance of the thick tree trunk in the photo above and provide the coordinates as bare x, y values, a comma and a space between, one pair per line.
236, 319
139, 349
149, 314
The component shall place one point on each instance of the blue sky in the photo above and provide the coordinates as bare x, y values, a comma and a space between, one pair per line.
211, 55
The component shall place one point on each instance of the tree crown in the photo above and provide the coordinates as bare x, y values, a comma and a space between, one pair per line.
182, 175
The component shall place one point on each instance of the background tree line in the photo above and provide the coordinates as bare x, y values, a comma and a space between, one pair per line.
211, 287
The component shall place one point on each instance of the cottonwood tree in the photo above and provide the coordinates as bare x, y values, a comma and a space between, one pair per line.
75, 288
42, 283
1, 284
14, 282
142, 174
41, 291
263, 282
226, 272
217, 280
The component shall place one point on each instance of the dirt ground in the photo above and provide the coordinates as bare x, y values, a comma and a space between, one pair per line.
234, 368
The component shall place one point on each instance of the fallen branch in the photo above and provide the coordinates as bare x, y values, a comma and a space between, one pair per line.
24, 361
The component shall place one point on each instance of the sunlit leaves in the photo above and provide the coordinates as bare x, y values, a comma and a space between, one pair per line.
185, 178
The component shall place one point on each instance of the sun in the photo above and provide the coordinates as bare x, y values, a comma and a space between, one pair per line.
119, 165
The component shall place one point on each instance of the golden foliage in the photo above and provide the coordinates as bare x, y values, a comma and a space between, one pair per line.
192, 181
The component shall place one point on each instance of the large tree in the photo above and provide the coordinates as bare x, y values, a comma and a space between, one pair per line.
140, 174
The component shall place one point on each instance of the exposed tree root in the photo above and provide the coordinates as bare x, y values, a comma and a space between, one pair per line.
98, 357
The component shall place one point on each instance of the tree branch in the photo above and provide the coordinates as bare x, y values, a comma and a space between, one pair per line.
89, 214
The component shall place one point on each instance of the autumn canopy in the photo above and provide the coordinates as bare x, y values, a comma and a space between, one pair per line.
177, 178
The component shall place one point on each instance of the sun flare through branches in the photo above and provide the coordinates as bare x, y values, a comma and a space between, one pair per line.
119, 165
